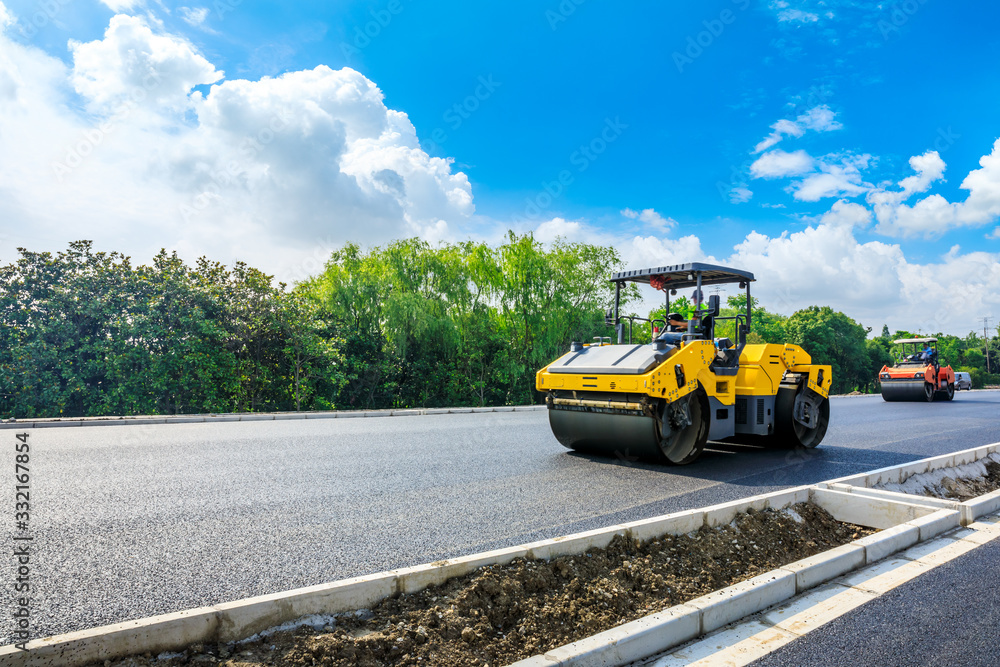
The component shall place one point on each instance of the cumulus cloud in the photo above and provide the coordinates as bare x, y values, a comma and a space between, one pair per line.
133, 63
818, 119
934, 215
558, 228
846, 214
651, 218
264, 171
779, 164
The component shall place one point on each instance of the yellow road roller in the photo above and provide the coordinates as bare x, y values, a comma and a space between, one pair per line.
665, 400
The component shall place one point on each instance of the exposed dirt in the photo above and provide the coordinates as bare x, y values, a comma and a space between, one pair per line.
963, 489
501, 614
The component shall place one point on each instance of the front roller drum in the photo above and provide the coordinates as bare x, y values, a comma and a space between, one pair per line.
917, 390
676, 435
626, 437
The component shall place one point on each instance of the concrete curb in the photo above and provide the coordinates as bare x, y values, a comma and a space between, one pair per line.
254, 417
906, 523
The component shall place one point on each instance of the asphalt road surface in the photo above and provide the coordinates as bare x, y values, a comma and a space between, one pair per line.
949, 616
132, 521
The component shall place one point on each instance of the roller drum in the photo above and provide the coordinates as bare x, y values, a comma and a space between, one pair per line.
917, 390
624, 436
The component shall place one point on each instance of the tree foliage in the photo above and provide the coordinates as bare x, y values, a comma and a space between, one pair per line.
459, 324
404, 325
86, 333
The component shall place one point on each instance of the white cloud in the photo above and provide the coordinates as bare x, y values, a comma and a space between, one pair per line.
871, 282
825, 264
797, 16
834, 180
934, 215
651, 218
121, 5
740, 194
779, 164
194, 16
263, 171
995, 234
550, 230
642, 252
133, 63
818, 119
846, 214
5, 17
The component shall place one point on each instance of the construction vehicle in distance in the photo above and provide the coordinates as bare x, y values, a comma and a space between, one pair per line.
665, 400
917, 375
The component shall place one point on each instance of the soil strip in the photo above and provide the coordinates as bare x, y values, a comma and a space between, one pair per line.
960, 483
504, 613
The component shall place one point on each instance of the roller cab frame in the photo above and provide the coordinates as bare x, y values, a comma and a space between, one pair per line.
665, 400
917, 376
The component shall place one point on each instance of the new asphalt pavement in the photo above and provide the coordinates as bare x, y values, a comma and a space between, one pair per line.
133, 521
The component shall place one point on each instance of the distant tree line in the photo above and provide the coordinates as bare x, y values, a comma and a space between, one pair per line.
86, 333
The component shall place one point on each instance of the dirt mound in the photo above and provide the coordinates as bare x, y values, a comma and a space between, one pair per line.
963, 489
501, 614
960, 483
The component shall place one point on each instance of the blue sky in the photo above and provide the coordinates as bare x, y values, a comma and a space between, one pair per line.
823, 145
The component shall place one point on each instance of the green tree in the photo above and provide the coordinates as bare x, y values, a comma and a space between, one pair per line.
833, 338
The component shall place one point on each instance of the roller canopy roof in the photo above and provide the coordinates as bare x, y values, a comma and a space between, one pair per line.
676, 275
915, 340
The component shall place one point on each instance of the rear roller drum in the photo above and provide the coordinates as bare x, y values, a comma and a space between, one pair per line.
946, 394
801, 417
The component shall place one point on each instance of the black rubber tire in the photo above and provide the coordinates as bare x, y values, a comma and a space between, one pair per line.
947, 394
690, 443
788, 433
929, 392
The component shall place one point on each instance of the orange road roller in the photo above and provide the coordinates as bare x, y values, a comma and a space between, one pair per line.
917, 375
